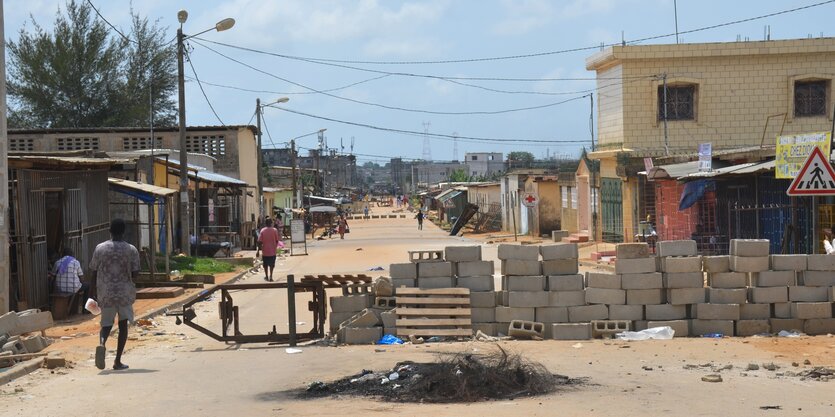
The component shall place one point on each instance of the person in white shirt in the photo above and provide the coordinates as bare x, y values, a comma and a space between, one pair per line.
67, 272
827, 241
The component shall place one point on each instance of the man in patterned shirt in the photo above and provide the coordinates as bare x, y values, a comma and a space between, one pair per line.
114, 267
68, 273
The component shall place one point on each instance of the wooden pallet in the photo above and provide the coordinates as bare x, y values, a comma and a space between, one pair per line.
159, 292
338, 281
434, 312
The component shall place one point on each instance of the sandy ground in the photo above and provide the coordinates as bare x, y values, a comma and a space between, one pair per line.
178, 371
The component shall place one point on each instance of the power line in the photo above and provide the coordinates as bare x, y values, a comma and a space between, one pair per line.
199, 84
557, 52
386, 106
267, 128
296, 92
110, 24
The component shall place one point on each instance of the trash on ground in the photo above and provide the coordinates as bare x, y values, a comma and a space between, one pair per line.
712, 378
292, 350
577, 345
658, 333
786, 333
376, 268
713, 335
390, 340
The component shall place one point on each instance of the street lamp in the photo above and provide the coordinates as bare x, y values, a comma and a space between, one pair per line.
258, 112
225, 24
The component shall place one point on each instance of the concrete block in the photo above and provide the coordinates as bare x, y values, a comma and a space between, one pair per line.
749, 247
462, 253
820, 262
523, 283
728, 280
501, 298
781, 310
571, 331
684, 280
727, 295
557, 235
601, 280
52, 362
435, 282
749, 264
566, 298
686, 295
483, 315
831, 294
754, 311
607, 329
580, 314
365, 318
655, 312
475, 269
639, 325
508, 314
816, 327
634, 266
811, 310
676, 248
716, 311
359, 336
681, 264
490, 329
8, 323
552, 314
644, 297
31, 322
809, 294
788, 262
482, 299
15, 346
399, 271
519, 252
385, 303
645, 281
526, 329
625, 312
681, 328
501, 328
768, 295
521, 267
818, 278
476, 284
632, 250
702, 327
605, 296
389, 319
336, 319
775, 279
559, 251
560, 267
434, 270
382, 287
352, 303
527, 299
565, 283
715, 264
402, 282
752, 327
778, 325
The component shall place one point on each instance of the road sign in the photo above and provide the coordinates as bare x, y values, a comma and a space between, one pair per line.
815, 178
705, 157
530, 200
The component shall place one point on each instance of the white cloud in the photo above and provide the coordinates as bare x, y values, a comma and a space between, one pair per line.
524, 16
584, 7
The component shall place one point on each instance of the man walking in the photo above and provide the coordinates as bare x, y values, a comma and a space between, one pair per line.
114, 266
268, 241
419, 218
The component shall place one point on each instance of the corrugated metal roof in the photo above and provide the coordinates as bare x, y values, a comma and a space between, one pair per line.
741, 169
81, 130
148, 188
71, 160
216, 178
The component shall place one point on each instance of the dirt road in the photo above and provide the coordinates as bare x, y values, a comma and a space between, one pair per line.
177, 371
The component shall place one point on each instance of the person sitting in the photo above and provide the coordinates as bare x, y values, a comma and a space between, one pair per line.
827, 241
67, 272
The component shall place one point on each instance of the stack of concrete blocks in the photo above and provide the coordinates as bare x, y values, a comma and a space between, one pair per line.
523, 285
477, 275
352, 320
640, 281
567, 315
683, 283
748, 259
810, 297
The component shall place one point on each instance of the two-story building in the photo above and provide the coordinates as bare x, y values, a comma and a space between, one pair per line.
484, 164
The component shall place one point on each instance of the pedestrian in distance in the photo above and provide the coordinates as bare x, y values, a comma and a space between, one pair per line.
268, 242
365, 211
113, 269
827, 241
342, 227
419, 216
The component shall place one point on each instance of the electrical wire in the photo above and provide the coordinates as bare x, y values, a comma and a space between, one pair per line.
557, 52
199, 84
386, 106
267, 128
293, 93
110, 24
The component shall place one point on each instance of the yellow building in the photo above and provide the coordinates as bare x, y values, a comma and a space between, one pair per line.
661, 101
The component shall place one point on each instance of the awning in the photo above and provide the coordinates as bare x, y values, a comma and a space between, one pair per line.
147, 193
323, 209
679, 171
741, 169
448, 196
216, 178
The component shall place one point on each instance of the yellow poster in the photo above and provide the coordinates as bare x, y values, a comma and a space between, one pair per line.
792, 151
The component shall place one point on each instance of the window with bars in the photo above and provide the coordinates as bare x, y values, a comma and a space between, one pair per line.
681, 102
810, 98
212, 145
77, 144
135, 144
21, 144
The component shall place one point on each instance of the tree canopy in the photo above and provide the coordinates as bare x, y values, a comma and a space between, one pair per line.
520, 159
81, 75
459, 175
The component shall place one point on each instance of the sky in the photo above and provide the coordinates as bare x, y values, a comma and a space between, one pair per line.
350, 65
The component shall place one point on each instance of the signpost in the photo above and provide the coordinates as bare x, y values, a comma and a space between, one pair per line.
705, 157
815, 178
297, 235
530, 200
792, 151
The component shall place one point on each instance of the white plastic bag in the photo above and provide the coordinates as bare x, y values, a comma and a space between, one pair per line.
659, 333
92, 306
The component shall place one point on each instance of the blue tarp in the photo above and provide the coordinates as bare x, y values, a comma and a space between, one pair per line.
693, 191
143, 196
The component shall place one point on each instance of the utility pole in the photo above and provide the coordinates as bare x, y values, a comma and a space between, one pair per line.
5, 294
259, 161
293, 169
185, 243
666, 142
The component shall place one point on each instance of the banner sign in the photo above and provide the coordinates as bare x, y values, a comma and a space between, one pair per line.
705, 157
793, 150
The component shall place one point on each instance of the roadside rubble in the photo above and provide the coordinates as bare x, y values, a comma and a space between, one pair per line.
770, 370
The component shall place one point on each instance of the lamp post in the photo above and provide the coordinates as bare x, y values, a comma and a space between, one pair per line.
297, 202
182, 16
258, 109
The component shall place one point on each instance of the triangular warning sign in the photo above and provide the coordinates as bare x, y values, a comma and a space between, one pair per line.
815, 178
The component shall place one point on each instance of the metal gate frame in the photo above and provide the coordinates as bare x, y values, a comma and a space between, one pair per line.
611, 208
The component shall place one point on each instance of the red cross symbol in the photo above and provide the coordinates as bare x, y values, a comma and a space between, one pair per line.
530, 199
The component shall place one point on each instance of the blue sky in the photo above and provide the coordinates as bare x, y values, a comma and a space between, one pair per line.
428, 30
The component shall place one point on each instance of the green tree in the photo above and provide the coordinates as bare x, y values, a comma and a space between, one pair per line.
459, 175
520, 159
371, 164
79, 75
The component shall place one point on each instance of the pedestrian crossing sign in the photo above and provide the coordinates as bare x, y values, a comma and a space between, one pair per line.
815, 178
